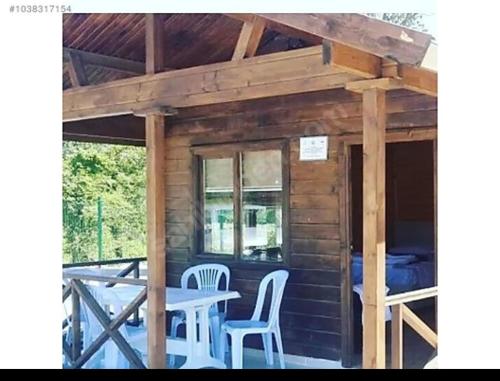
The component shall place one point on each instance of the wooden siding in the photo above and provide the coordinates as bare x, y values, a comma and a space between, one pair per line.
311, 310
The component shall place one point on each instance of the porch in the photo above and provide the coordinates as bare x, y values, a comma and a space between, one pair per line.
216, 114
413, 347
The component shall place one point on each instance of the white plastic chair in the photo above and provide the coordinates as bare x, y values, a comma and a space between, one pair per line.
67, 306
208, 277
239, 328
358, 289
135, 336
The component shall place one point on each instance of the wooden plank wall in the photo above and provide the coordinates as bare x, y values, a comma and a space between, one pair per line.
310, 318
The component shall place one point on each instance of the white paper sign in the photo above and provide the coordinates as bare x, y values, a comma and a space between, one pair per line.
314, 148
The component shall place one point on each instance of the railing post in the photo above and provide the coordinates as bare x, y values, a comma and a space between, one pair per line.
99, 229
136, 276
75, 322
397, 337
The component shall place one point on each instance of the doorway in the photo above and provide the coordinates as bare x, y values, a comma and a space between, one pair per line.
411, 260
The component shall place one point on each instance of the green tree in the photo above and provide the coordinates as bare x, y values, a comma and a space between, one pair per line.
410, 20
116, 174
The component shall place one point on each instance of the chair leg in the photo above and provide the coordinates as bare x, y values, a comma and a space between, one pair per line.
267, 340
237, 350
226, 345
214, 333
279, 344
222, 345
173, 332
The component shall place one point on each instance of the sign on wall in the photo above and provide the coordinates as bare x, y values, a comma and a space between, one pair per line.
314, 148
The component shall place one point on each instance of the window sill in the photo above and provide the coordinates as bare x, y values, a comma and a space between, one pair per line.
232, 262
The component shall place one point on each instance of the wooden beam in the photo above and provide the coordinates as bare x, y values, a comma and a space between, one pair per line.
90, 138
154, 43
351, 60
411, 296
374, 121
125, 129
280, 28
161, 110
283, 73
419, 326
248, 41
378, 83
108, 62
361, 62
76, 70
419, 80
412, 78
155, 199
377, 37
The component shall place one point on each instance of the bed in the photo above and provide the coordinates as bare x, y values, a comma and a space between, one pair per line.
400, 276
410, 265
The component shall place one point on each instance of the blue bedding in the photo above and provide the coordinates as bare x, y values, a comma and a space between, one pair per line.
409, 273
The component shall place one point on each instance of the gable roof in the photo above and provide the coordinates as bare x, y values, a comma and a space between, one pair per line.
200, 39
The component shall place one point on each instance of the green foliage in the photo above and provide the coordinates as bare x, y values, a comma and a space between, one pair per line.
117, 175
410, 20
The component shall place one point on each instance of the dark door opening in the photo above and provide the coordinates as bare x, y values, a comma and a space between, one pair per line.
410, 233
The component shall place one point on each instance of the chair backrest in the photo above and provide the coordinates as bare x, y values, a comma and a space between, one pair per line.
115, 359
208, 277
95, 326
278, 280
358, 289
66, 281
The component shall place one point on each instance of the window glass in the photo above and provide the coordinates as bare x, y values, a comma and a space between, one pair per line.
262, 201
218, 206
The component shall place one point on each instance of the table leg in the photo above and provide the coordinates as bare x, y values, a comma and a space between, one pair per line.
204, 331
198, 355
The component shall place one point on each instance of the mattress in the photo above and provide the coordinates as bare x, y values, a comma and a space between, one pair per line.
401, 277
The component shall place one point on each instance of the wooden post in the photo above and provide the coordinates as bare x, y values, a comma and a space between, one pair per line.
374, 120
397, 337
155, 136
75, 322
155, 125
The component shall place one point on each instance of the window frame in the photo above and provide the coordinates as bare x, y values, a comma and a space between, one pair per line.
235, 151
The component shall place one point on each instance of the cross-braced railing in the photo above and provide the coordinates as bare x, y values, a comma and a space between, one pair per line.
401, 313
132, 268
80, 293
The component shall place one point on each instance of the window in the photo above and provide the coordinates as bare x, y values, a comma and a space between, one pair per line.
243, 194
218, 205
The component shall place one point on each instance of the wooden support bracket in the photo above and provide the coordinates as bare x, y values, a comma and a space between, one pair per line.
159, 110
378, 83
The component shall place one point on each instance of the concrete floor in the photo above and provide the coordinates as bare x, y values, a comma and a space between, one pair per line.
254, 359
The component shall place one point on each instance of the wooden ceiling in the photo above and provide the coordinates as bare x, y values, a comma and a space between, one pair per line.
191, 40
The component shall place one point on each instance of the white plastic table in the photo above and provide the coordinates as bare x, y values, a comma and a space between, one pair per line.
193, 302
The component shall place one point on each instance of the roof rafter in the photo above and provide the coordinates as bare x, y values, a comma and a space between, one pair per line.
108, 62
76, 70
248, 41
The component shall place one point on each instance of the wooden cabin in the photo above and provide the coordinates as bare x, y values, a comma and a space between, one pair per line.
273, 141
